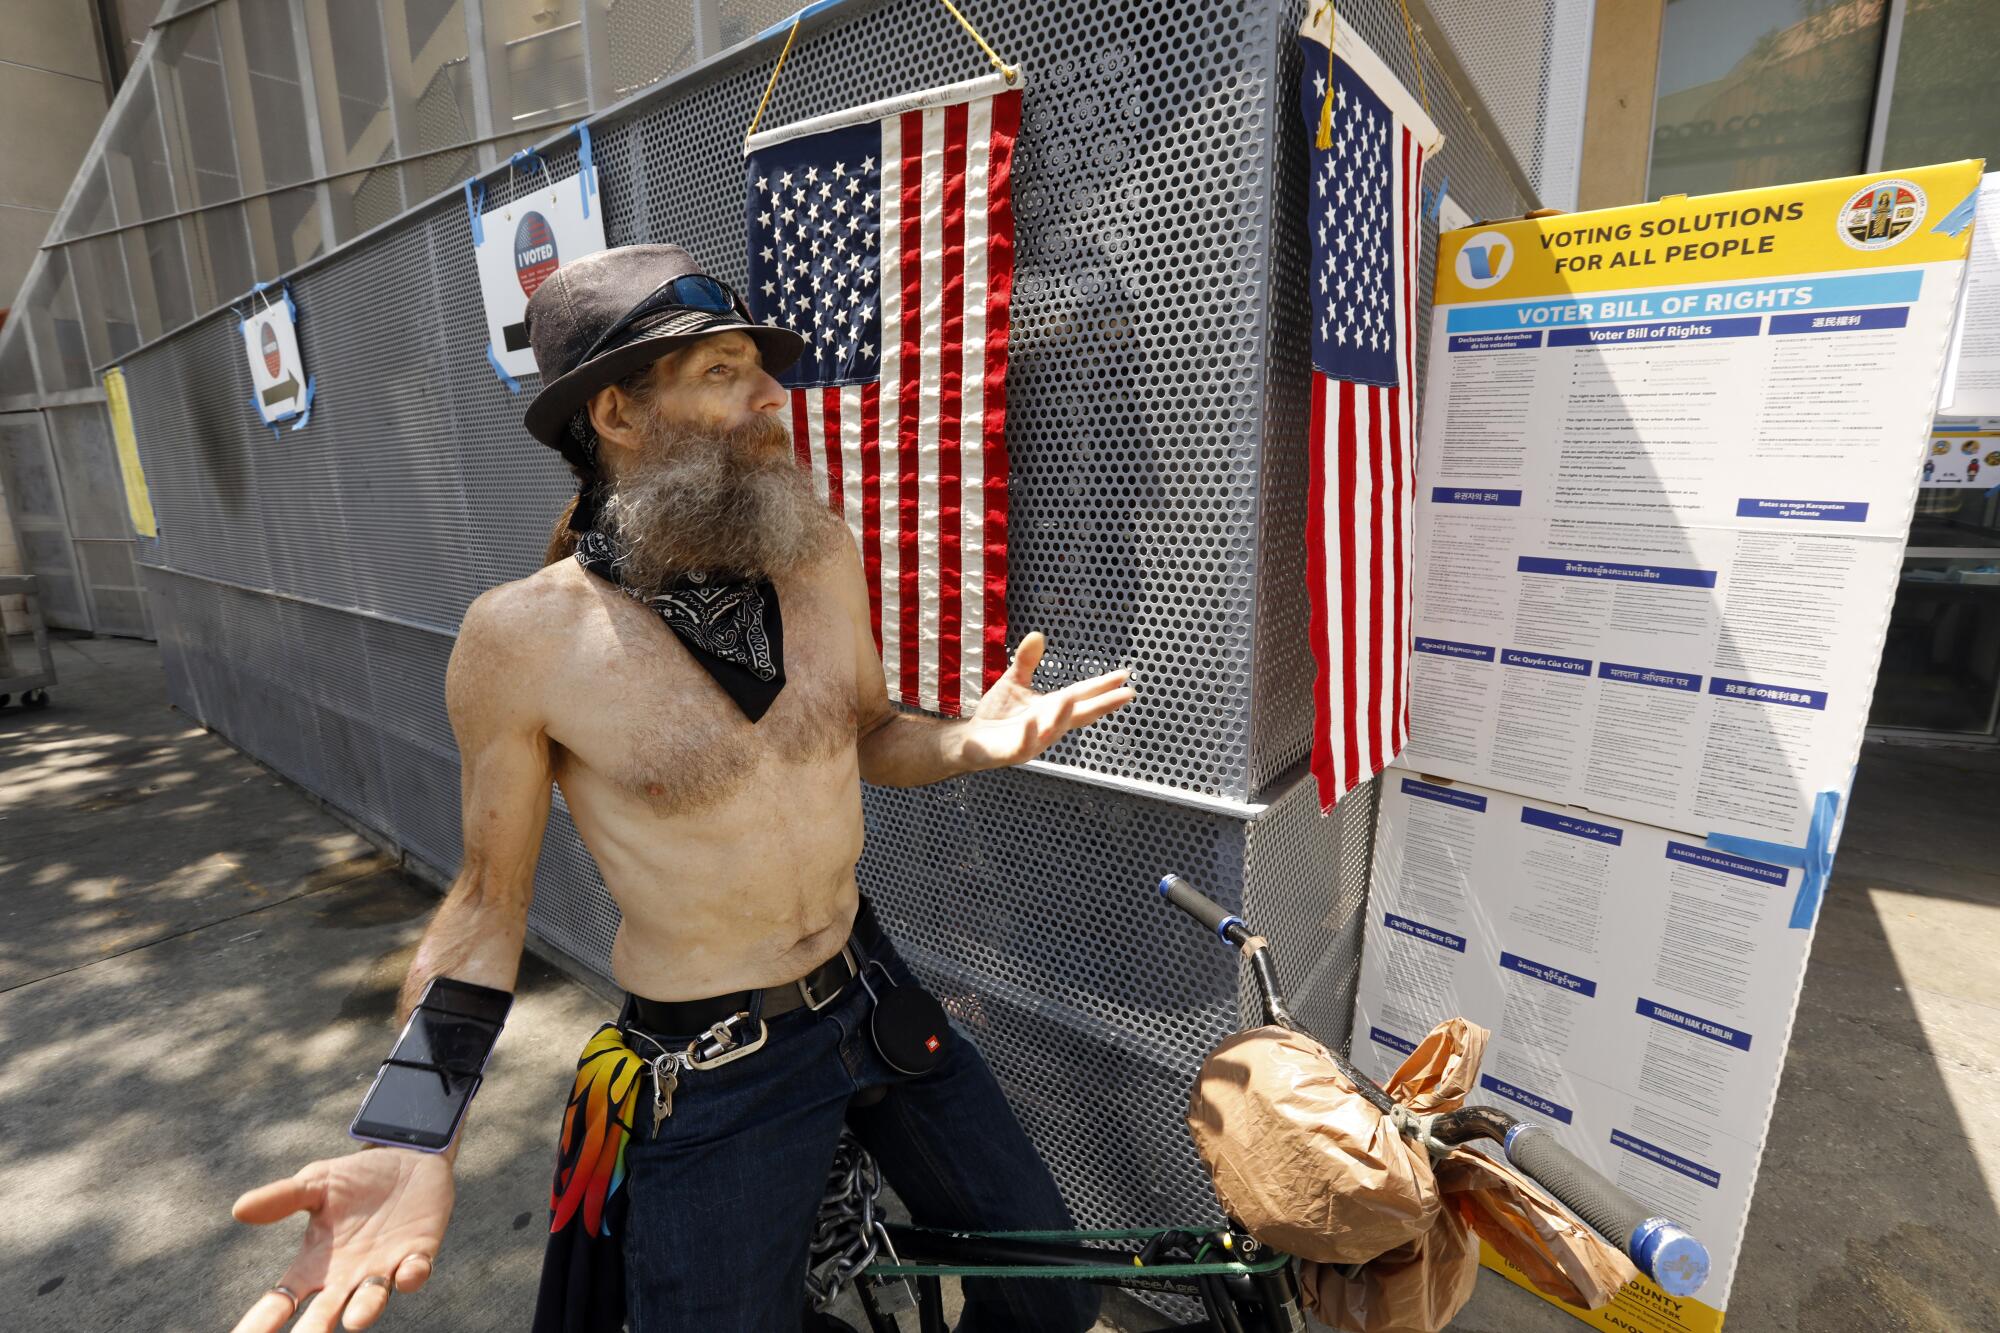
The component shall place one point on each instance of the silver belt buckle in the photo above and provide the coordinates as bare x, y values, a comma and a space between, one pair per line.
816, 1004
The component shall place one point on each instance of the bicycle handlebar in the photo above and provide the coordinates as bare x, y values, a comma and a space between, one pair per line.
1230, 928
1663, 1249
1202, 908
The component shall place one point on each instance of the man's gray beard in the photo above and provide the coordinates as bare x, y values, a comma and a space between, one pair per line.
734, 504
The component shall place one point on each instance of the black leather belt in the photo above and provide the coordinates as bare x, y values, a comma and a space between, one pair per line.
816, 989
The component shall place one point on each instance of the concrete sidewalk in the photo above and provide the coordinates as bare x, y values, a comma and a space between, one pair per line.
198, 975
199, 966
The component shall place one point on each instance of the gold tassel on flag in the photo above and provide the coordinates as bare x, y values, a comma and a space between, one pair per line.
1324, 139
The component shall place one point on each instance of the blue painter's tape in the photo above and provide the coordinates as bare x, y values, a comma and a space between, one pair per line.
1821, 837
1815, 859
474, 204
492, 359
1960, 217
586, 176
291, 306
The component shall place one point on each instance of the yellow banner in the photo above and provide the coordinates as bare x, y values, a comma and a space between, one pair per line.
1889, 219
1640, 1308
137, 499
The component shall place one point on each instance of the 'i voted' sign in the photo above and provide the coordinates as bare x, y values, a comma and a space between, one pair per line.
518, 245
535, 254
279, 384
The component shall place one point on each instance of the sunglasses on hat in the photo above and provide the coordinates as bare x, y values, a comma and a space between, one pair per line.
690, 291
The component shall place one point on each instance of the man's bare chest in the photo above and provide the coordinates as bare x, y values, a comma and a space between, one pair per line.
645, 718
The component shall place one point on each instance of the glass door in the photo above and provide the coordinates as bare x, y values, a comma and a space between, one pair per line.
1938, 101
1941, 663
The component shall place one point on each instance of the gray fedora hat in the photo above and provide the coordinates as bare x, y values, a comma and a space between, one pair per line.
597, 319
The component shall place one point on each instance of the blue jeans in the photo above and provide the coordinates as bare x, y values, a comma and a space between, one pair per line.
724, 1197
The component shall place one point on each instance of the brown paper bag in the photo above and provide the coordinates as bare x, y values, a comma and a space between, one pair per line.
1299, 1158
1561, 1256
1308, 1166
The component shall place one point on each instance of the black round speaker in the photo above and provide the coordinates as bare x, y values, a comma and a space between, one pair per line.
910, 1029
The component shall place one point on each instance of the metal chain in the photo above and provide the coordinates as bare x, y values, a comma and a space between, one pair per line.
848, 1233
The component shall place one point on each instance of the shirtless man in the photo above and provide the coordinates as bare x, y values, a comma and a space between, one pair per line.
711, 752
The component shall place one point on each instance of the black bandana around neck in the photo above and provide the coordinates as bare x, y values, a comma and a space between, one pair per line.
733, 629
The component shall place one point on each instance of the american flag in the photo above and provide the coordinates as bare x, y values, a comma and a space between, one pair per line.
885, 237
1363, 213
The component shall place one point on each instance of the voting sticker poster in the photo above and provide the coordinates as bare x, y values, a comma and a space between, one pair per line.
280, 388
1959, 459
517, 245
1639, 985
1669, 455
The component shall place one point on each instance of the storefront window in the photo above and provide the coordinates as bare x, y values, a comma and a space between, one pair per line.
1962, 515
1760, 92
1945, 102
1942, 657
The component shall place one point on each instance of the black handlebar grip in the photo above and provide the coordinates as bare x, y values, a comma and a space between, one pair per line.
1197, 905
1663, 1250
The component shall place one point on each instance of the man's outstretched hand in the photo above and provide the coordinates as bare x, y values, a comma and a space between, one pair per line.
379, 1212
1013, 723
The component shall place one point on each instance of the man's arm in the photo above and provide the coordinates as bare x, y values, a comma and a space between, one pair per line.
381, 1213
506, 776
1012, 724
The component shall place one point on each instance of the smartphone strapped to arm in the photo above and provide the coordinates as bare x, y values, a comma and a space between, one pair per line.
420, 1094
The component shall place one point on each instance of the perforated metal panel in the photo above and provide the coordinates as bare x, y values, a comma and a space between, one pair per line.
311, 581
117, 604
1530, 62
93, 491
647, 41
1306, 887
17, 365
41, 529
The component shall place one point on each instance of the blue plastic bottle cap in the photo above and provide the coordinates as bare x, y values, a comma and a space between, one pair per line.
1670, 1256
1680, 1264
